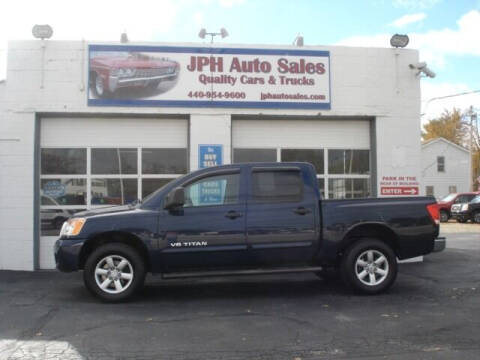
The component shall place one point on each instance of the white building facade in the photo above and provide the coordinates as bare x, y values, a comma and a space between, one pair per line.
446, 168
85, 125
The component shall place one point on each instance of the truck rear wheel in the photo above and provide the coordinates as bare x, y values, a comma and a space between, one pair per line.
444, 216
114, 272
369, 266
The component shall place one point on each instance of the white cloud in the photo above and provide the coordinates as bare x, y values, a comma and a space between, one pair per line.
199, 19
415, 4
433, 107
408, 19
434, 45
87, 19
230, 3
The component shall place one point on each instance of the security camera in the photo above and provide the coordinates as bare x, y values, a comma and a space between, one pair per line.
422, 68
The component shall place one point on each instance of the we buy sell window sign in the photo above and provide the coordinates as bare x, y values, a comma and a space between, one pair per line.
208, 77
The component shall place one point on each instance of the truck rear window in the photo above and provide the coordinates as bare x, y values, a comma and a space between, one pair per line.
277, 186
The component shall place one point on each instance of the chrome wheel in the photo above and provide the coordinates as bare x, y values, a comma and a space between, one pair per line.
371, 267
114, 274
99, 85
443, 216
476, 217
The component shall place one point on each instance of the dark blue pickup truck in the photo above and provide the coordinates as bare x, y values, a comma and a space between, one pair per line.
244, 219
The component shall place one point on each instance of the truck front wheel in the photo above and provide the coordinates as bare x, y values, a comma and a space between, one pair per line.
369, 266
114, 272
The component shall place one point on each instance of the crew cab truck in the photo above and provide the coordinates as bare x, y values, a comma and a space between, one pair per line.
246, 219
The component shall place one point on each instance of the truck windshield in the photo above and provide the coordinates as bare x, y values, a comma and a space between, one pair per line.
449, 197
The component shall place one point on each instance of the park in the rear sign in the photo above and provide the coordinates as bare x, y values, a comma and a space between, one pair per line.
125, 75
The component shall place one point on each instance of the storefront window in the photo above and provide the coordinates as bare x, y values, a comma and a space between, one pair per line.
63, 161
114, 161
164, 161
349, 161
254, 155
313, 156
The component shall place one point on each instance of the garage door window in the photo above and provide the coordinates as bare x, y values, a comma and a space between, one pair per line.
114, 161
76, 179
348, 188
348, 162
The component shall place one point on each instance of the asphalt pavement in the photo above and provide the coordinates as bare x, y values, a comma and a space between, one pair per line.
432, 312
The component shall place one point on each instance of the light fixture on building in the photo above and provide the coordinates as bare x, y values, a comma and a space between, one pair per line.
298, 40
422, 68
42, 31
124, 38
399, 41
203, 33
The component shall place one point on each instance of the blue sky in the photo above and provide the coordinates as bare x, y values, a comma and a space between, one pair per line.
445, 31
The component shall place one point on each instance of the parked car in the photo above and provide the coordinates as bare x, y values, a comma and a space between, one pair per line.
110, 73
246, 219
446, 203
467, 211
52, 217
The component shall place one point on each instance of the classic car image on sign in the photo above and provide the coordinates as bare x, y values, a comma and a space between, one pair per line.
142, 73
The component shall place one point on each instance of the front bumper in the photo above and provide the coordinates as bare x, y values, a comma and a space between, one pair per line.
460, 215
115, 82
67, 254
440, 244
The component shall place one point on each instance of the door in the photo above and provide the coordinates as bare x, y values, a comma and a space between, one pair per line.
281, 221
209, 230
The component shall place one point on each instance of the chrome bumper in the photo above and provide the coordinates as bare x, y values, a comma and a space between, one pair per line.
440, 244
115, 82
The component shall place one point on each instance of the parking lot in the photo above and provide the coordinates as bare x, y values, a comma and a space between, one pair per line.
432, 312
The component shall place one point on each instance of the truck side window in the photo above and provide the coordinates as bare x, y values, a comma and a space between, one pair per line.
213, 190
277, 186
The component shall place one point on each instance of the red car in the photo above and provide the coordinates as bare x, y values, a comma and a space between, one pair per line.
446, 203
112, 71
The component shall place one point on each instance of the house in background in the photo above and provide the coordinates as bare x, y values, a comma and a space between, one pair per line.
446, 168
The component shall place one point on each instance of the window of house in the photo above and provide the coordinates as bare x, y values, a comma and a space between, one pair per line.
429, 191
452, 189
441, 163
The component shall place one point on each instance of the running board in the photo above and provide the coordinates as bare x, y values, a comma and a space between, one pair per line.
182, 275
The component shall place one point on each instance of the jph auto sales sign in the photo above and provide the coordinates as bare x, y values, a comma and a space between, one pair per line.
208, 77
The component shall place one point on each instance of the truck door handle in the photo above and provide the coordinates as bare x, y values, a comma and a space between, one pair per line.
232, 214
301, 211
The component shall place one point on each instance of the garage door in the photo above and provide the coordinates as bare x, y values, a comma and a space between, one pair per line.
98, 162
339, 149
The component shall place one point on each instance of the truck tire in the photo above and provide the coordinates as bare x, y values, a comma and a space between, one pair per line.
369, 266
114, 272
444, 216
476, 217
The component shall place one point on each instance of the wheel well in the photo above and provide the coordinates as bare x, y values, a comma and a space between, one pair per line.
113, 237
376, 231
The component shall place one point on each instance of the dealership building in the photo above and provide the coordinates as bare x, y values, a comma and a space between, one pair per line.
85, 125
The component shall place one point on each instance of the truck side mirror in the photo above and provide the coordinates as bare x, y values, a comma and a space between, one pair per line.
175, 198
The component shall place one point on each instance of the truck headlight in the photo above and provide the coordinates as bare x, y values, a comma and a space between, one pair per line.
72, 227
464, 207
